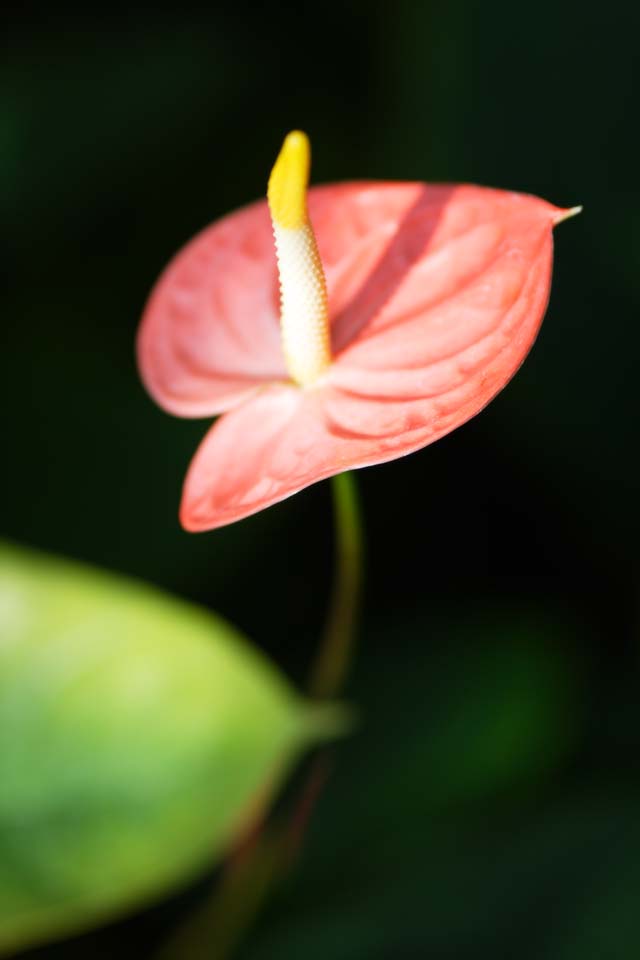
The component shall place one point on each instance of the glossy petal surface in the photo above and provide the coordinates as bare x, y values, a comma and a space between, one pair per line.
210, 335
436, 294
210, 331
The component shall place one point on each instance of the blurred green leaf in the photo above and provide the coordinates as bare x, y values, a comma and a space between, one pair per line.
137, 734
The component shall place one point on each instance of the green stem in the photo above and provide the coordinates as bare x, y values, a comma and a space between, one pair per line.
337, 647
215, 931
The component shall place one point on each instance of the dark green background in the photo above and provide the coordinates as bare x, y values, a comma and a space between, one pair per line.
488, 807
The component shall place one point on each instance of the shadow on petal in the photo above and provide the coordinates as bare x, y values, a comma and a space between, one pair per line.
407, 247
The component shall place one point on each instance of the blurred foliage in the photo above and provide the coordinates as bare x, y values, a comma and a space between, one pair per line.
481, 812
463, 822
137, 735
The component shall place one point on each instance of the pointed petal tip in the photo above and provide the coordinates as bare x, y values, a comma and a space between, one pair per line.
559, 216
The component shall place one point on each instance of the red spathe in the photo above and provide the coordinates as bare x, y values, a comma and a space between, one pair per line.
436, 294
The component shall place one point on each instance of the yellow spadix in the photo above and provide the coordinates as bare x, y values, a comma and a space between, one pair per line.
304, 314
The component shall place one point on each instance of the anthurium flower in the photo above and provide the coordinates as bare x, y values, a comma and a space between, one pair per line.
387, 315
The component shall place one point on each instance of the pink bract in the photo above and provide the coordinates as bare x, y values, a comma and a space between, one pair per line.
436, 294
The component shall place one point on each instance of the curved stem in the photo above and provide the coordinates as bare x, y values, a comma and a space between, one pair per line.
215, 931
336, 649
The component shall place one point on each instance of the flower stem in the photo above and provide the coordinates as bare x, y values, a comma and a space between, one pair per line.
336, 650
262, 863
